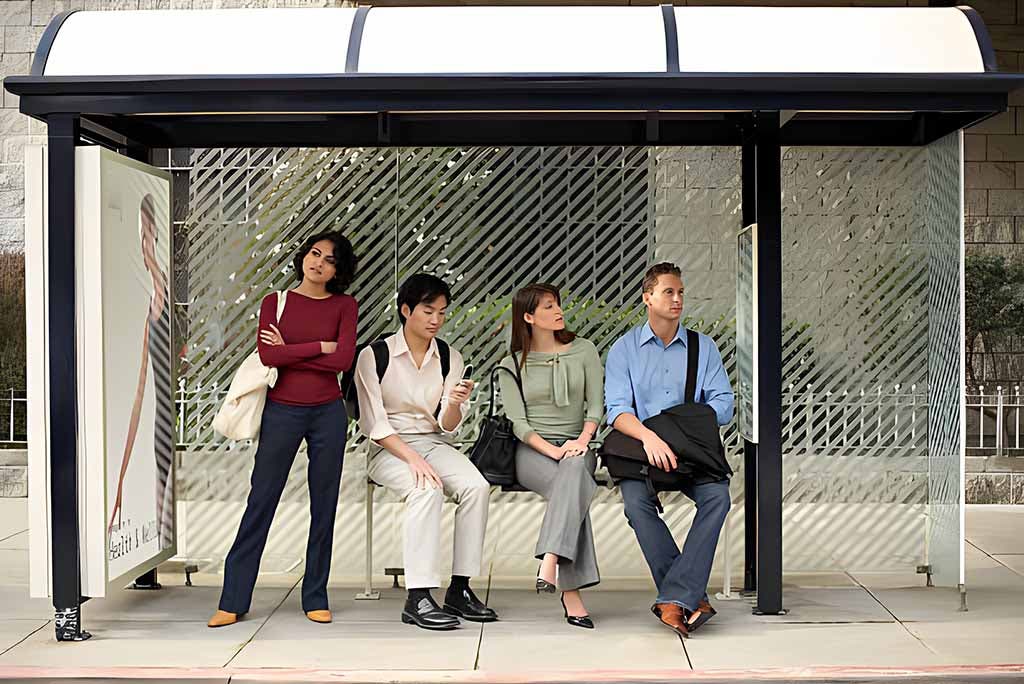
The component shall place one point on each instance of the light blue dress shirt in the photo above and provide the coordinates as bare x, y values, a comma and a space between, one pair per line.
644, 377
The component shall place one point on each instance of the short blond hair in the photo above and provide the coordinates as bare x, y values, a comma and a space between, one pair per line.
664, 268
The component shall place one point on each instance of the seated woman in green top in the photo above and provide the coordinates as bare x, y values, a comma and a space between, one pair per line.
563, 386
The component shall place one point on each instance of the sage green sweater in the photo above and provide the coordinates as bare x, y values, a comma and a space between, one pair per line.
563, 390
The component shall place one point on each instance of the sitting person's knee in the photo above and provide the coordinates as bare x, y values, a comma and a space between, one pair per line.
426, 496
719, 502
636, 502
479, 489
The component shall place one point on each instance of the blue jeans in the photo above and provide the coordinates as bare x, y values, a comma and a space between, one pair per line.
681, 576
282, 430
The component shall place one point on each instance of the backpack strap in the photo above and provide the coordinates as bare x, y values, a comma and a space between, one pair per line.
445, 352
692, 356
381, 357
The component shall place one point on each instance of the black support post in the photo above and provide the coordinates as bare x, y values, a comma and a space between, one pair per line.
748, 176
769, 363
63, 136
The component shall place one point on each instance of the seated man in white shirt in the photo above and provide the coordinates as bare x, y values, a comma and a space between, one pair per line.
409, 415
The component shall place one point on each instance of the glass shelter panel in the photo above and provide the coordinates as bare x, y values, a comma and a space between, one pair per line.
589, 219
855, 356
945, 361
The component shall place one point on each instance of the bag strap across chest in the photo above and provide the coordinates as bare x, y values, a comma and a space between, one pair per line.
692, 358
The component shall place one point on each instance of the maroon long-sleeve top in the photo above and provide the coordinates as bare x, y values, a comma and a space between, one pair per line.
305, 375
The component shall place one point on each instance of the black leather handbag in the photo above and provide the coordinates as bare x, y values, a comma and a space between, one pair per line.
494, 452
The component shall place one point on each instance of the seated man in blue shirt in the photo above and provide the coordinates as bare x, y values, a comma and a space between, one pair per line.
644, 375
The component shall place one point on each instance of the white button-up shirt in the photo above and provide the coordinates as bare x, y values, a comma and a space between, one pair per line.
405, 401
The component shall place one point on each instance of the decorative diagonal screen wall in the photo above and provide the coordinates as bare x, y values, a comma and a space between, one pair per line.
591, 220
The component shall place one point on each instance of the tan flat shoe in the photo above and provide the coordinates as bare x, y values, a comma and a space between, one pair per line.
222, 618
321, 616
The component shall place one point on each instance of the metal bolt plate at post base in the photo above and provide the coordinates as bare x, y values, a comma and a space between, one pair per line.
68, 625
757, 611
147, 582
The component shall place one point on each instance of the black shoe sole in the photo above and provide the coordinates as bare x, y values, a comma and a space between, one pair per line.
472, 618
681, 633
704, 617
409, 620
584, 622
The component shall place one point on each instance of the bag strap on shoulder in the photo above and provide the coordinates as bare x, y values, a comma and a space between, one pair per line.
445, 352
692, 357
381, 357
282, 299
515, 376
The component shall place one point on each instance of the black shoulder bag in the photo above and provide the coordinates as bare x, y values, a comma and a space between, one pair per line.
494, 452
624, 456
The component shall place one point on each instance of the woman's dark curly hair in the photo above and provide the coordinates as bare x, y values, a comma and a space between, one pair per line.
344, 260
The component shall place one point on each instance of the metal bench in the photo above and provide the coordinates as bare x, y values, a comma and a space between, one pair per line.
369, 593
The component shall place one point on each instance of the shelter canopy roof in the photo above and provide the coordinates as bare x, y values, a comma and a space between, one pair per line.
235, 77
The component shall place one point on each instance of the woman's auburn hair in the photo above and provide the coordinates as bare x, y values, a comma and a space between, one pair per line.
526, 301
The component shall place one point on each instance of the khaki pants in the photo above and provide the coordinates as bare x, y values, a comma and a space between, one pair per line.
421, 539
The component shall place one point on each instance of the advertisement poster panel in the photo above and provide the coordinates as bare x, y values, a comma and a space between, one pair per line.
125, 369
138, 394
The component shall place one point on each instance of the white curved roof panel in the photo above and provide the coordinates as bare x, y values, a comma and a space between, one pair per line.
822, 40
201, 42
432, 40
516, 40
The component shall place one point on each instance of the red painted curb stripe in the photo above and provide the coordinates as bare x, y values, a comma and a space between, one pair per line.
522, 677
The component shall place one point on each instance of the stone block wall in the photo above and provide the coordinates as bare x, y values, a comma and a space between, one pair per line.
994, 177
22, 23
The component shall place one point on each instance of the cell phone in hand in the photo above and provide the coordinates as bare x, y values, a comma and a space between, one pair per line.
467, 374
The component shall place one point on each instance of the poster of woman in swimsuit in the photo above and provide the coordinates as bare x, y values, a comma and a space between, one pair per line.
138, 366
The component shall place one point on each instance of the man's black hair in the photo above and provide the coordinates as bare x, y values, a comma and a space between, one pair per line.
420, 289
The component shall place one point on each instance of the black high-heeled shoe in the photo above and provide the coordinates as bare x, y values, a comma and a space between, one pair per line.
543, 586
583, 621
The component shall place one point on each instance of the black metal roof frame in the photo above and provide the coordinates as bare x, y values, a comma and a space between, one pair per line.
628, 109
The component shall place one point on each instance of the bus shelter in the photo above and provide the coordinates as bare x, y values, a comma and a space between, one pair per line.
803, 165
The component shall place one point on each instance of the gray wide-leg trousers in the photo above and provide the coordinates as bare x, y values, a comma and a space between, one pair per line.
569, 486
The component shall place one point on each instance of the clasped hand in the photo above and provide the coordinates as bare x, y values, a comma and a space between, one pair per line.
574, 447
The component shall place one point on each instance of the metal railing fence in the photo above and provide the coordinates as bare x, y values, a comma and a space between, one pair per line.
867, 418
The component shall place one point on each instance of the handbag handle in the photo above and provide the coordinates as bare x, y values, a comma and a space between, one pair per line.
515, 376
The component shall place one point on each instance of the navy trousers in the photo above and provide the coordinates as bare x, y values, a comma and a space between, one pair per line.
680, 575
282, 430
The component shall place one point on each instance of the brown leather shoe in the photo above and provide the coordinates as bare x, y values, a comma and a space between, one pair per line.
222, 618
672, 617
321, 616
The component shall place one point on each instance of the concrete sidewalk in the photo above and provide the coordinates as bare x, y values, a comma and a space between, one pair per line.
840, 626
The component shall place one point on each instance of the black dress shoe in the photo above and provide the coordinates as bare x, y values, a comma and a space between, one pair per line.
583, 621
465, 604
425, 613
543, 586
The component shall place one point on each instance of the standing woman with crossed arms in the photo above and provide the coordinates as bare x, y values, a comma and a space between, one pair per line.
313, 342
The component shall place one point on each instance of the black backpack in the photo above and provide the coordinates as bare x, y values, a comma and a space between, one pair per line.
381, 357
